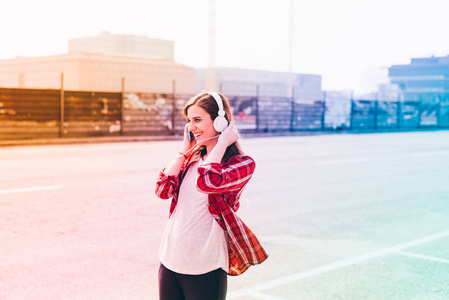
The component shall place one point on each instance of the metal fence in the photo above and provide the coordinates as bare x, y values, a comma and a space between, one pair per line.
39, 113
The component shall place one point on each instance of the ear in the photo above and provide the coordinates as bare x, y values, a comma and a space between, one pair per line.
220, 124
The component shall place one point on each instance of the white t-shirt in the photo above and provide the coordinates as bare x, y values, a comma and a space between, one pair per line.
193, 243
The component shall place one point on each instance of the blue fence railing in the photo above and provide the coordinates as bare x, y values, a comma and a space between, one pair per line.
277, 114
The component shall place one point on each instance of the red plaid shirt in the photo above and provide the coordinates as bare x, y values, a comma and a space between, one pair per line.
224, 185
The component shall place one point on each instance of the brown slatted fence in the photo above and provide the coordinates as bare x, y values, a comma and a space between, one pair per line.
91, 113
153, 114
29, 113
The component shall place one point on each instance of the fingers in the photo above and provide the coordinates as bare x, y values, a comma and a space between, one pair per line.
231, 133
232, 126
187, 143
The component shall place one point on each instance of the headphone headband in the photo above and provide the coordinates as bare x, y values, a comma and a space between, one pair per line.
217, 98
220, 122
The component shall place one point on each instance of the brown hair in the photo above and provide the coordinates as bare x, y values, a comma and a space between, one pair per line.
207, 102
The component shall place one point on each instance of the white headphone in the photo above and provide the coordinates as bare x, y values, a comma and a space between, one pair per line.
220, 122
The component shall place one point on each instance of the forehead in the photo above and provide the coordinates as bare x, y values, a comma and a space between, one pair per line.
196, 111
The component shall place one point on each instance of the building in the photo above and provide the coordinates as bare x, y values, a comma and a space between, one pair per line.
99, 63
97, 72
246, 82
424, 79
124, 44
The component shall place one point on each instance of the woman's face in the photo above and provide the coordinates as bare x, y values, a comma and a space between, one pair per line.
200, 123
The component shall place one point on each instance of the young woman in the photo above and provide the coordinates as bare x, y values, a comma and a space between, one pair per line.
204, 240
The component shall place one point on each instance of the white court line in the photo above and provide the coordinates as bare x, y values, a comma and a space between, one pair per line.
342, 161
334, 266
32, 189
441, 260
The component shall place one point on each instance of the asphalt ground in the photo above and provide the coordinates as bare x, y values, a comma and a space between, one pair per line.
350, 216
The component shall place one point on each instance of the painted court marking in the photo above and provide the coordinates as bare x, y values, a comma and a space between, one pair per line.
256, 289
32, 189
425, 257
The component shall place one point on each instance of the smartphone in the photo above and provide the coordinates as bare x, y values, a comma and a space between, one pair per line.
191, 136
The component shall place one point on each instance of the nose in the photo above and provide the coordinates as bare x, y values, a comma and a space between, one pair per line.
191, 126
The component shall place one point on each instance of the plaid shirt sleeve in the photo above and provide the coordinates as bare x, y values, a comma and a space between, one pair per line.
231, 178
166, 185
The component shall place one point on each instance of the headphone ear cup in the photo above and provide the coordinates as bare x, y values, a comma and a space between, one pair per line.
220, 124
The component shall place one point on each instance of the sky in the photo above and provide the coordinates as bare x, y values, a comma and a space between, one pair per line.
350, 43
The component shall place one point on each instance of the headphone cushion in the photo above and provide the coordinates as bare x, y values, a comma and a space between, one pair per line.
220, 124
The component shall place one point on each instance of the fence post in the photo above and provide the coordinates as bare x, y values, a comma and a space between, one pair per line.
419, 114
173, 128
439, 113
122, 106
323, 114
257, 108
351, 117
376, 112
61, 108
292, 119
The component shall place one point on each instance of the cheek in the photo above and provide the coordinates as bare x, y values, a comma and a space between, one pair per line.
208, 126
211, 128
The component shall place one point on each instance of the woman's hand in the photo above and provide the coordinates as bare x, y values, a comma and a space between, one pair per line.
174, 167
186, 143
229, 135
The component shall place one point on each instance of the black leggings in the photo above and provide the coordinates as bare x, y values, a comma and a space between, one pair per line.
209, 286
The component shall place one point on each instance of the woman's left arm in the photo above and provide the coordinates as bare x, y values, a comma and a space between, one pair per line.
227, 138
214, 178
